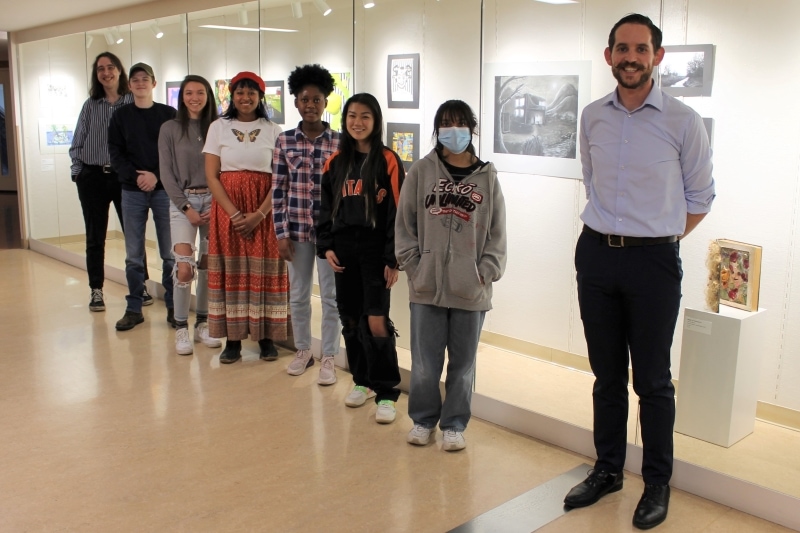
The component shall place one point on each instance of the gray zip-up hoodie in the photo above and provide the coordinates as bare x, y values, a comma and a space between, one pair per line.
449, 235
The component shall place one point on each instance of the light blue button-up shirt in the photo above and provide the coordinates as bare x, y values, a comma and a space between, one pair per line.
645, 169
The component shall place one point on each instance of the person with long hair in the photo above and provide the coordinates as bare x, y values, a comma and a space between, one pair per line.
182, 164
297, 165
91, 169
451, 242
355, 233
248, 282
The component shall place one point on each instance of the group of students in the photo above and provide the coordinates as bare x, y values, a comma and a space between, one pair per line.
269, 204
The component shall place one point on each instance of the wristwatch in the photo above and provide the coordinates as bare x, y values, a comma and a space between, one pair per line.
186, 207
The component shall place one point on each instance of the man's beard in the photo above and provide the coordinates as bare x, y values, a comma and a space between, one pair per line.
641, 82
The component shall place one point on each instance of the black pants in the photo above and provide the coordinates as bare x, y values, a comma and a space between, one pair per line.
96, 191
629, 300
360, 292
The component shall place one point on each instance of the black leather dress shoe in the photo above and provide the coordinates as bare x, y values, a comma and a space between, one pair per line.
652, 508
598, 484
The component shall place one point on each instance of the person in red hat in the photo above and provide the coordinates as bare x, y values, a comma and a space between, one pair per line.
248, 282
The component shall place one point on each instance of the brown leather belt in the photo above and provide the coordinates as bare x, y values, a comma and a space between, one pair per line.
198, 190
620, 241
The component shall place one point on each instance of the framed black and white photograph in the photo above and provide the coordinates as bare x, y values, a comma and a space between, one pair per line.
402, 81
531, 112
687, 70
404, 140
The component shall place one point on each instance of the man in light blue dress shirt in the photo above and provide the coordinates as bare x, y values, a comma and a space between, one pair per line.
647, 171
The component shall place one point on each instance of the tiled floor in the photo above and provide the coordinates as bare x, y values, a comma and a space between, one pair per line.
111, 431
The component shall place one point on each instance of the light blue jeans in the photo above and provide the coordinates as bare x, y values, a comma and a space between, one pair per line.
301, 277
432, 330
136, 206
183, 232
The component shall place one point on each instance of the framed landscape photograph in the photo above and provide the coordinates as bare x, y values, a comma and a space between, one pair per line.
687, 70
739, 274
402, 81
404, 140
274, 101
530, 116
173, 90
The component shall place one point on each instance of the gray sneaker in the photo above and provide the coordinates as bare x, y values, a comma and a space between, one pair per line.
452, 440
420, 436
96, 302
386, 412
302, 360
327, 371
358, 396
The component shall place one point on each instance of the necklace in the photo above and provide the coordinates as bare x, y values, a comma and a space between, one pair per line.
196, 131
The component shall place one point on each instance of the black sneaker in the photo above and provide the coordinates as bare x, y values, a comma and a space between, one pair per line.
171, 318
268, 350
146, 298
129, 320
231, 353
96, 303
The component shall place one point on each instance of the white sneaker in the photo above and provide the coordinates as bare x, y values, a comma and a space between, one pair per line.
302, 360
386, 412
453, 441
182, 344
358, 396
327, 371
201, 335
420, 436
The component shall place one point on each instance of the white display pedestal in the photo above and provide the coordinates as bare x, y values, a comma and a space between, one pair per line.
718, 384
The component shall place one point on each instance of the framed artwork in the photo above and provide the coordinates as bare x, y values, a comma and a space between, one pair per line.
173, 90
404, 140
402, 81
530, 116
222, 95
273, 97
739, 274
687, 70
341, 92
55, 93
55, 136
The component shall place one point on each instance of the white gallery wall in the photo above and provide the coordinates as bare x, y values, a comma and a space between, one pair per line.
756, 135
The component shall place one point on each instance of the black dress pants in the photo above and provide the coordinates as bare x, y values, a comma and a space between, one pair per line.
629, 301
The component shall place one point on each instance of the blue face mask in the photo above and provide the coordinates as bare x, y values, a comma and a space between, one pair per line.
455, 139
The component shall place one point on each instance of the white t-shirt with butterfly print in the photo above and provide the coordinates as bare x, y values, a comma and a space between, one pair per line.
242, 145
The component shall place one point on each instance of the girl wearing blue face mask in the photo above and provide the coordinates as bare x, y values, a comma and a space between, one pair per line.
450, 238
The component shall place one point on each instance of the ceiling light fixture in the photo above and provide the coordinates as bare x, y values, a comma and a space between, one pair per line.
368, 4
109, 37
324, 8
156, 30
279, 30
297, 10
117, 36
239, 28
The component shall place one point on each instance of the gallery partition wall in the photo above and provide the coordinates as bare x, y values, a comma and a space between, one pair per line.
527, 68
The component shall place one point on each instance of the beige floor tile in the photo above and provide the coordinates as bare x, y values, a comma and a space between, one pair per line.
111, 431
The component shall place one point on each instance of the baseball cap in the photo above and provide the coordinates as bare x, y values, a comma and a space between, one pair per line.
247, 75
147, 69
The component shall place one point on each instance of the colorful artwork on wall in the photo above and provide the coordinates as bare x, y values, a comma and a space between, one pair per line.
739, 274
404, 140
341, 92
222, 95
274, 100
173, 91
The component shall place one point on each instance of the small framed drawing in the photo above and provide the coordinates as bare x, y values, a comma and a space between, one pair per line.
404, 140
274, 101
739, 274
173, 91
402, 81
687, 70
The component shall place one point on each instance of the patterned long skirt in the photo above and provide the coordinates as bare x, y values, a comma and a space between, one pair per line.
248, 282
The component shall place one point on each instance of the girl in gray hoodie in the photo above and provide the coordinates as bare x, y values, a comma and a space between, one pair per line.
450, 239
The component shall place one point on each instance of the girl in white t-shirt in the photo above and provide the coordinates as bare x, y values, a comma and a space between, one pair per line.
248, 282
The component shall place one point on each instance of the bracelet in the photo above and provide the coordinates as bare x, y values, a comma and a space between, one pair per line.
236, 214
262, 214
